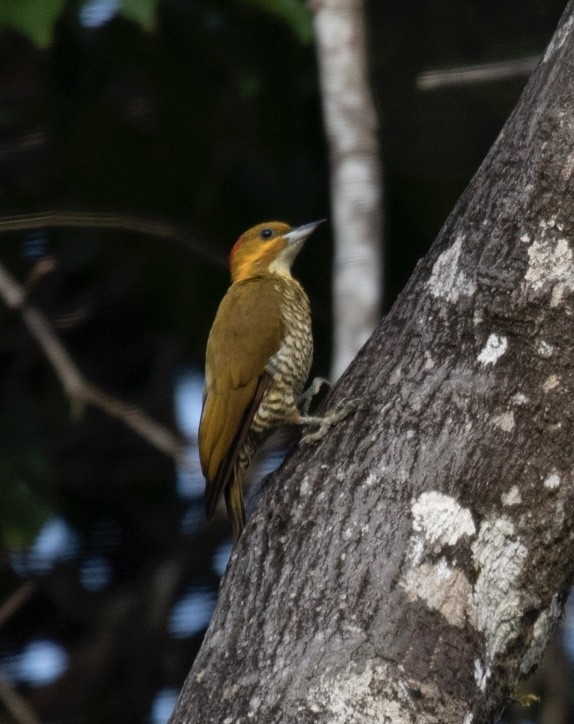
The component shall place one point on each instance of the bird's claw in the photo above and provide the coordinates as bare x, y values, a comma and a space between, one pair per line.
323, 424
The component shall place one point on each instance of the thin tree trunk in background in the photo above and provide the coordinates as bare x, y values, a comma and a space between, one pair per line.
356, 196
412, 565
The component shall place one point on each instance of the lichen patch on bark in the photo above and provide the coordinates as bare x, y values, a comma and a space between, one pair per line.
481, 674
443, 588
550, 266
512, 497
438, 520
505, 421
544, 349
552, 480
496, 345
499, 556
360, 697
551, 382
447, 279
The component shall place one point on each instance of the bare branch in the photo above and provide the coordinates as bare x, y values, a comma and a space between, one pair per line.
118, 222
14, 703
17, 705
76, 386
471, 74
15, 600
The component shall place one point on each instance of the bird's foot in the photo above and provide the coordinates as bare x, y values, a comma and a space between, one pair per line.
324, 423
524, 699
319, 386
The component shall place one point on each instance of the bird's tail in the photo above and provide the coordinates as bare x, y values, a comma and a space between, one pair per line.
235, 506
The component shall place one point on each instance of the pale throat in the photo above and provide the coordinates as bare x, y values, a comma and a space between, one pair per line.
282, 264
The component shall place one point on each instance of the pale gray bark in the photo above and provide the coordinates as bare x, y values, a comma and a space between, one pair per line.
355, 175
412, 565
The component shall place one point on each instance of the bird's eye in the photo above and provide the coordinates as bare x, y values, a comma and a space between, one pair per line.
266, 233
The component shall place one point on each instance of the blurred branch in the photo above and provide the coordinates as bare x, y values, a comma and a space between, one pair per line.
17, 705
76, 386
118, 222
17, 599
356, 179
14, 703
470, 74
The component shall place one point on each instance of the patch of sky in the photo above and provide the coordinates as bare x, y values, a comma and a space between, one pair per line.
192, 613
94, 13
56, 542
40, 663
221, 558
568, 627
192, 520
35, 245
188, 401
95, 573
162, 706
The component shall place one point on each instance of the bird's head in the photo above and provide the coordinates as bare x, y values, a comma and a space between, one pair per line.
268, 248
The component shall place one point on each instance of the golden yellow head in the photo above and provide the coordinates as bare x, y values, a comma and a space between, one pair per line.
268, 248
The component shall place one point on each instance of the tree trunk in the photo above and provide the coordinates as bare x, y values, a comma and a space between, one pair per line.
412, 565
356, 178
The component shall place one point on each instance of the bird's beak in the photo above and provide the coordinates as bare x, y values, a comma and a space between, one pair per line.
300, 233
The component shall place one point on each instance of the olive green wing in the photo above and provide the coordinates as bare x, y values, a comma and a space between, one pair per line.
247, 331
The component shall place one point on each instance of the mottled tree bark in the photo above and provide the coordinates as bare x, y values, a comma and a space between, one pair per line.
411, 566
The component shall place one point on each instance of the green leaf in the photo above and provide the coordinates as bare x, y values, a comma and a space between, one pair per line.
34, 18
141, 12
25, 474
23, 513
292, 12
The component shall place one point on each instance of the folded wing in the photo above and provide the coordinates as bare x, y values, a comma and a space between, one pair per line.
246, 333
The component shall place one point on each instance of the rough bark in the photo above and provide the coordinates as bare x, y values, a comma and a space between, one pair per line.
355, 171
411, 566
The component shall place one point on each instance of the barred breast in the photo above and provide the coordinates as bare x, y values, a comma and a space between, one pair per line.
290, 365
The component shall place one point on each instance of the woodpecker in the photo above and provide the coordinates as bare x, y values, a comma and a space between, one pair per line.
257, 361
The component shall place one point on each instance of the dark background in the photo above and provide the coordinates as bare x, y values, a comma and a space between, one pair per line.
207, 115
